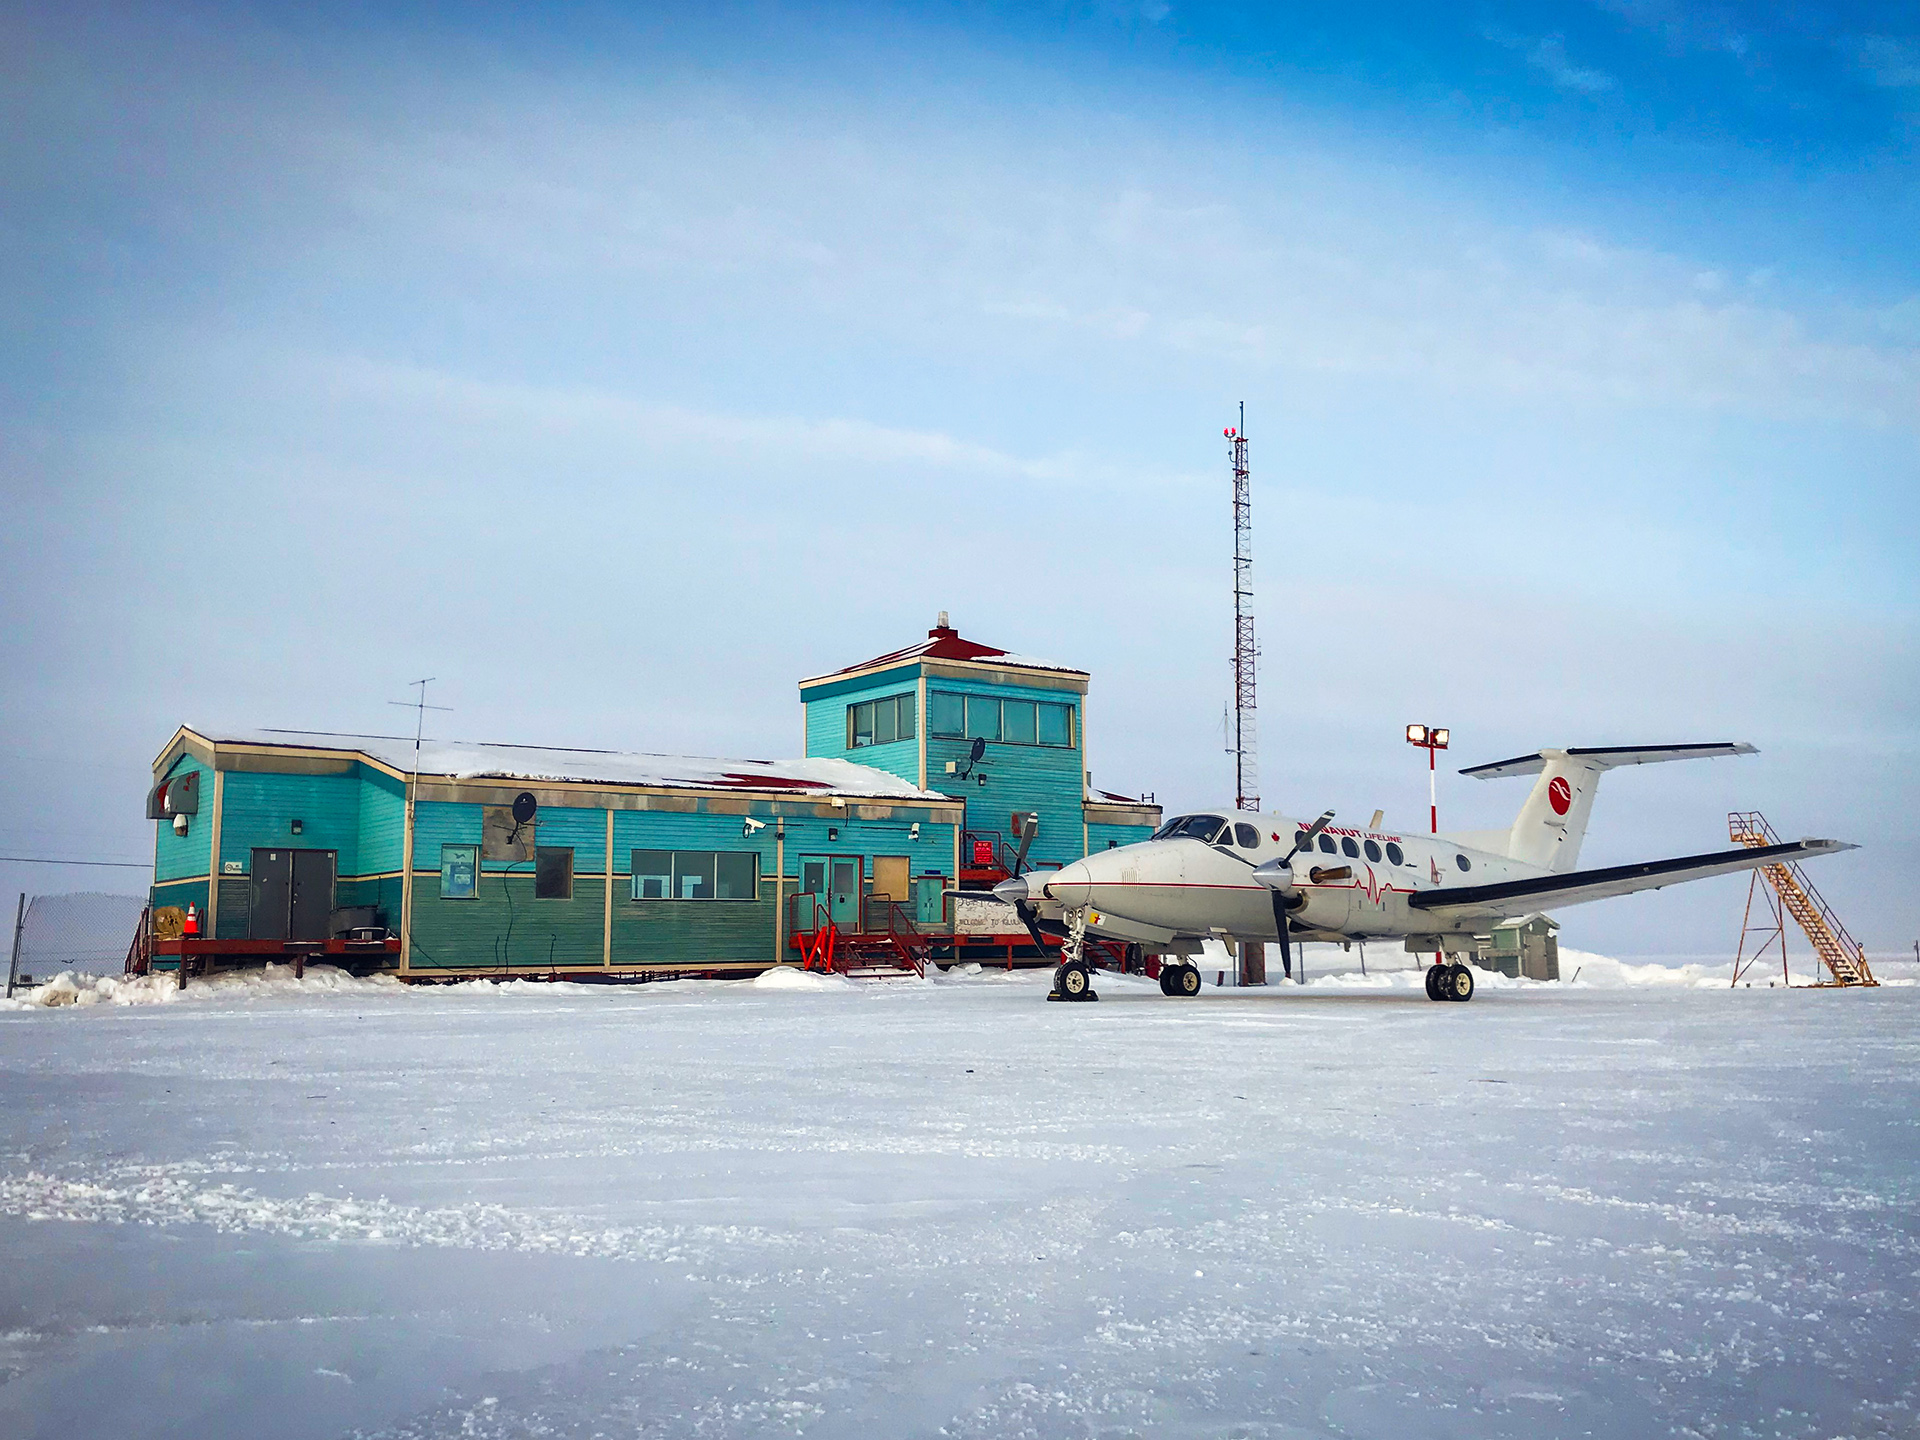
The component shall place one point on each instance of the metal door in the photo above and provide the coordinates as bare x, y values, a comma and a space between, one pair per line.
310, 910
843, 893
809, 908
930, 900
271, 892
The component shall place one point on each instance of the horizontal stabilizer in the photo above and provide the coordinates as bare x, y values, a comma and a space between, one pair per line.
1606, 757
1548, 892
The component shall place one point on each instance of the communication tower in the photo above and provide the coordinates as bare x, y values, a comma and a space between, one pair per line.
1245, 748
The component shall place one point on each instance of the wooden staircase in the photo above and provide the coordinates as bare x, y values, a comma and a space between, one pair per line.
1795, 895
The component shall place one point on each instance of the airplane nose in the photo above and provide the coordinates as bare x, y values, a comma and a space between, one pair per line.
1072, 885
1275, 875
1013, 891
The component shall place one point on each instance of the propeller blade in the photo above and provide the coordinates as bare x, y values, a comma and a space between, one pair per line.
1029, 917
1028, 827
1286, 945
1305, 837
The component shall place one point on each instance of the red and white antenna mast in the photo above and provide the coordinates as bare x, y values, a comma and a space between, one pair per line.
1245, 748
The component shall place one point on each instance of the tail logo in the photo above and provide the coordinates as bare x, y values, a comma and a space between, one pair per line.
1560, 794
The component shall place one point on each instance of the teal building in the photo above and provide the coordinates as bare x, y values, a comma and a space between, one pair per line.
463, 859
919, 713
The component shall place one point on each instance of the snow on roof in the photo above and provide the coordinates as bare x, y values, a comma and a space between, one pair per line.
481, 760
943, 642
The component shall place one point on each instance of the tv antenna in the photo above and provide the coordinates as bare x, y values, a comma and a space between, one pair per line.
420, 707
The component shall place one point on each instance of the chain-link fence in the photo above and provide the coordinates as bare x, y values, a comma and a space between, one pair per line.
87, 933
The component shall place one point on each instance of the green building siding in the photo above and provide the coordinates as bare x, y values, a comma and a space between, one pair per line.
504, 927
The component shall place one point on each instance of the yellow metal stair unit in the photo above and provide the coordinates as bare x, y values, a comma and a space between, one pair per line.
1792, 894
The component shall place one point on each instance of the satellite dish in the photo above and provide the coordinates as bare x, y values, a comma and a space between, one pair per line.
979, 749
524, 806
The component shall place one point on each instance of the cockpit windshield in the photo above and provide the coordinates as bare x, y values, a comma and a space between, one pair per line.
1197, 827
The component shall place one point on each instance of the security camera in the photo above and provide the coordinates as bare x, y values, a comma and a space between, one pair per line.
913, 831
750, 825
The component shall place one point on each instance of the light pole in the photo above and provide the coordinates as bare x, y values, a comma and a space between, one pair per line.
1430, 739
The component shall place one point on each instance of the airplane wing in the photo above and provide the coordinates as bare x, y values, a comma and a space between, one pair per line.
1467, 903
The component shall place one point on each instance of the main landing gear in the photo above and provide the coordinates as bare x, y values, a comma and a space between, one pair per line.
1181, 979
1073, 980
1449, 982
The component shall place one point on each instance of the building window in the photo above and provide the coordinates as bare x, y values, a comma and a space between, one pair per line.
1017, 724
1011, 722
696, 875
947, 715
880, 722
553, 873
459, 872
652, 874
983, 718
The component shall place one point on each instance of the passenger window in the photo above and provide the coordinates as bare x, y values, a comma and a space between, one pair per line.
1248, 837
1373, 852
1462, 862
1396, 854
1300, 841
1327, 846
1348, 848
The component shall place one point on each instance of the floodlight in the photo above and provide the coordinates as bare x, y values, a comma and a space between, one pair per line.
1440, 739
1416, 734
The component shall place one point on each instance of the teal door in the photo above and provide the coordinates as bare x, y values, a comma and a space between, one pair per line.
843, 892
810, 905
930, 899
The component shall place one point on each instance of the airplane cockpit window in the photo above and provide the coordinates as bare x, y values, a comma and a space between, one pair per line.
1197, 827
1463, 862
1348, 848
1327, 846
1396, 854
1248, 837
1373, 852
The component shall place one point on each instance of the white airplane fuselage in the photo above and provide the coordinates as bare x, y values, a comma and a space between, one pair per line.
1348, 884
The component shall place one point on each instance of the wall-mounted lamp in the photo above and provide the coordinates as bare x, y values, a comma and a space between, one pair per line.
179, 824
299, 826
833, 832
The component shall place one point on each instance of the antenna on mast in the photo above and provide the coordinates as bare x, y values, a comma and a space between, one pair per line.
1245, 733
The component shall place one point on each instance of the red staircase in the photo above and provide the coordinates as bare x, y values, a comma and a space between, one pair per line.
888, 945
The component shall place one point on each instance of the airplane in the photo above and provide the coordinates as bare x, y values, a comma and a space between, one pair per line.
1259, 878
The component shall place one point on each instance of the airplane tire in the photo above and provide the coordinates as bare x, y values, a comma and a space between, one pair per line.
1186, 981
1434, 976
1459, 983
1167, 976
1072, 981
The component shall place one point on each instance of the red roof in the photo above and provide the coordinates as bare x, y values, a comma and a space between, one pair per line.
943, 642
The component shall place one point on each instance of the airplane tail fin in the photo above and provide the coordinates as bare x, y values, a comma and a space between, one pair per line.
1553, 821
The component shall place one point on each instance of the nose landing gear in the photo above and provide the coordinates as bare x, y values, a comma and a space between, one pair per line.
1073, 980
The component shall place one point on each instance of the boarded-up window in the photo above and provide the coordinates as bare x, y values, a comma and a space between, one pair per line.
553, 873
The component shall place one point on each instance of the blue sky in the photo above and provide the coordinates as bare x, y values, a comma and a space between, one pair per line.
621, 366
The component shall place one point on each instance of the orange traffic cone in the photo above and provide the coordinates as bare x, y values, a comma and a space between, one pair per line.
192, 926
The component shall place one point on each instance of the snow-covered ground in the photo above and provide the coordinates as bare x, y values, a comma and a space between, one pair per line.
1640, 1205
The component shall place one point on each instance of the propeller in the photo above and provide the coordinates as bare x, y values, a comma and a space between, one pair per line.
1026, 827
1272, 871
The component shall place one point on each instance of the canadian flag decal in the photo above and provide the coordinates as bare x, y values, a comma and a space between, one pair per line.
1559, 794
